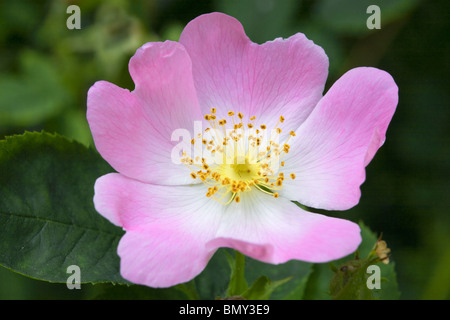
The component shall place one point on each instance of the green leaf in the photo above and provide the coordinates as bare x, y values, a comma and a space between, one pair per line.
189, 289
262, 288
389, 285
47, 218
213, 281
238, 283
296, 270
318, 286
349, 281
298, 287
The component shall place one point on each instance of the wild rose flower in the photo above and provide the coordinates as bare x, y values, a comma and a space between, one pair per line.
176, 215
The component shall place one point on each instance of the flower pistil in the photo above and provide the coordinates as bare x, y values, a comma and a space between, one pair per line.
239, 157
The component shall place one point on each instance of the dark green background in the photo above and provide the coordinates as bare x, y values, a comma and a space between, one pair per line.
47, 69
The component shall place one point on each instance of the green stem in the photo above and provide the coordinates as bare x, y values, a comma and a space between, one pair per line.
238, 283
240, 269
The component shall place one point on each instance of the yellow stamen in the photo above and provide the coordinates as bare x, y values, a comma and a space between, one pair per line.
249, 162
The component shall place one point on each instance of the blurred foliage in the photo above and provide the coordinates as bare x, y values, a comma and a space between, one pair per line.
47, 69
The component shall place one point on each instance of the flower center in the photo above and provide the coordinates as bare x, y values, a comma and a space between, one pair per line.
238, 157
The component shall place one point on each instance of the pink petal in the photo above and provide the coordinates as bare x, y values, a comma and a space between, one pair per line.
161, 256
166, 228
281, 77
276, 230
133, 131
172, 232
332, 147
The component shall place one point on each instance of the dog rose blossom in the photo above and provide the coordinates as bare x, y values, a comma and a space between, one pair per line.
268, 137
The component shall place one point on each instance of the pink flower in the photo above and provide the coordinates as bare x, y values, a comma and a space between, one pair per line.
177, 215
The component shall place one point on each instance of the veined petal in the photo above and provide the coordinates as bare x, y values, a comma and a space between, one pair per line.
333, 146
167, 228
276, 230
172, 232
166, 258
280, 77
133, 131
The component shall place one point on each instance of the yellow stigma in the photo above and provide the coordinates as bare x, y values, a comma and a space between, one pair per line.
238, 158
